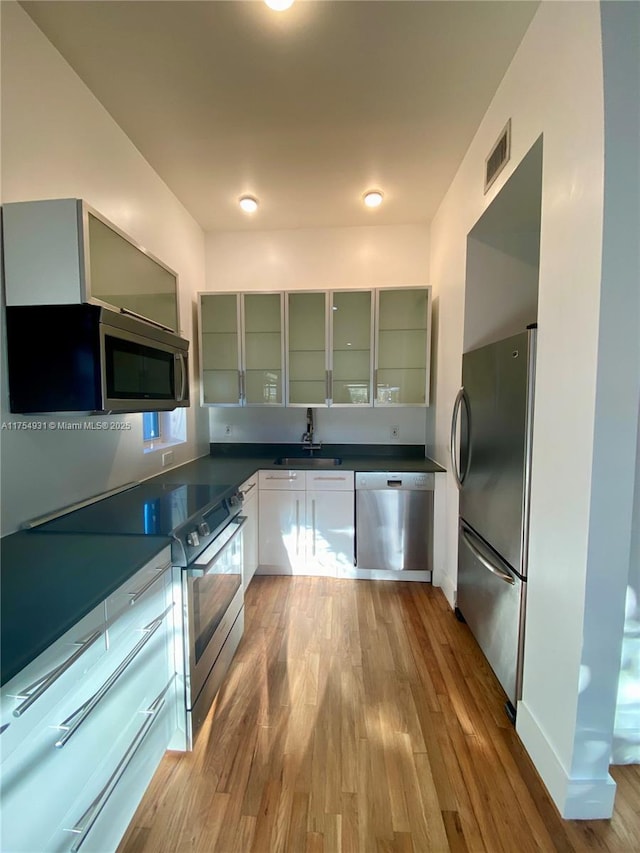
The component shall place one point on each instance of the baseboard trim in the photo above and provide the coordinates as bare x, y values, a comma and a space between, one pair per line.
348, 573
448, 587
575, 799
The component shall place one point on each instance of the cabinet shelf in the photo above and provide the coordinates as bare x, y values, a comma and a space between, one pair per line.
401, 328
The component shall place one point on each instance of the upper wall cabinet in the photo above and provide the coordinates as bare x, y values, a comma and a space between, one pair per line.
330, 348
336, 341
307, 349
242, 349
61, 251
403, 346
351, 367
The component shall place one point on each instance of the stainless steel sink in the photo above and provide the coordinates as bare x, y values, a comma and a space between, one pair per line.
307, 461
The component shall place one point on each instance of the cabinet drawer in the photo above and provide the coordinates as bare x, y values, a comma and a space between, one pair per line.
285, 480
97, 822
127, 598
331, 481
154, 595
250, 486
85, 732
29, 698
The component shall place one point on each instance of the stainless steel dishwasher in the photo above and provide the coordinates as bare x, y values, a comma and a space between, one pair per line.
394, 521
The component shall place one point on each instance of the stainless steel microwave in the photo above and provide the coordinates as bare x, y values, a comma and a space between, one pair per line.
92, 360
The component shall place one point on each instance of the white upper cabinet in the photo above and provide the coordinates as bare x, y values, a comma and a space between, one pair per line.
242, 349
316, 348
351, 368
330, 348
403, 346
307, 348
263, 349
62, 252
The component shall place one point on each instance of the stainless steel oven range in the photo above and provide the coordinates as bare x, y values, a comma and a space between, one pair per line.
205, 525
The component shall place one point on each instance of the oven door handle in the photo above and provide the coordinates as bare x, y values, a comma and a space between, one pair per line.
202, 566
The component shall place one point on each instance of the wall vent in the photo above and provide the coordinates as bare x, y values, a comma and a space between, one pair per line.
498, 157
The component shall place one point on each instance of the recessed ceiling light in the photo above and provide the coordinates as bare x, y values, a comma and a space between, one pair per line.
248, 203
279, 5
373, 198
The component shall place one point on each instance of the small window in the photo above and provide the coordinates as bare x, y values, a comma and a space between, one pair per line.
150, 426
163, 429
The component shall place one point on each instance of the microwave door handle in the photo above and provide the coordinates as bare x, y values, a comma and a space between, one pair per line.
155, 323
183, 376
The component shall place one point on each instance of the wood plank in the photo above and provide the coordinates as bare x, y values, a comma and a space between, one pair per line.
359, 717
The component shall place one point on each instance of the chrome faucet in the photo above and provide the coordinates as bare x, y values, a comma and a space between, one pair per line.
307, 436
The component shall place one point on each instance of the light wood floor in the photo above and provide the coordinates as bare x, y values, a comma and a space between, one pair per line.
361, 716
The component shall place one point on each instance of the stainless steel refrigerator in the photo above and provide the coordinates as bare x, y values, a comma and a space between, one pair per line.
493, 415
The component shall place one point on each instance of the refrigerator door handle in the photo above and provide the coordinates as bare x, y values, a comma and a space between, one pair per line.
467, 538
461, 398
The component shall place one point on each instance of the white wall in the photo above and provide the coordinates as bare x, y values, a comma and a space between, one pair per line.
59, 142
554, 86
503, 259
619, 401
324, 259
501, 297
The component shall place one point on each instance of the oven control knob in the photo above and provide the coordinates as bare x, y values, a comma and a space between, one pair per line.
236, 499
204, 529
193, 539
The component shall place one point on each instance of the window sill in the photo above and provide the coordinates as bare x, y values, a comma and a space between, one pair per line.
155, 446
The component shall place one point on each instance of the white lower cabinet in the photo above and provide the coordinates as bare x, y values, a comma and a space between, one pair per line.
100, 818
249, 491
306, 522
70, 783
281, 521
329, 534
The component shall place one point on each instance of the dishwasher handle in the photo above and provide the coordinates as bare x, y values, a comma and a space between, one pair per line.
406, 481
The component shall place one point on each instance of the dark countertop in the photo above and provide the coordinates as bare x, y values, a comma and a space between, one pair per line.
49, 581
234, 463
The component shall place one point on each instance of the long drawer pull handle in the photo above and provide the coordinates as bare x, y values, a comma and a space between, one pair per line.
140, 592
73, 722
34, 691
313, 527
286, 479
83, 826
331, 479
247, 490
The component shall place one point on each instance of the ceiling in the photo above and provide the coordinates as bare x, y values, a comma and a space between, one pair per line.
305, 109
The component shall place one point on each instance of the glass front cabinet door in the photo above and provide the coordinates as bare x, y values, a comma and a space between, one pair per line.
403, 346
351, 368
263, 349
242, 349
307, 333
330, 348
